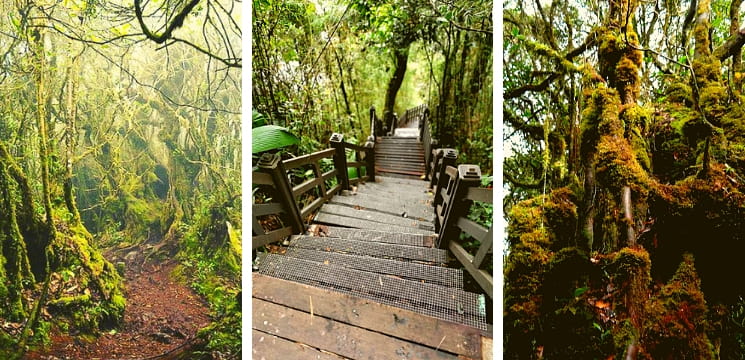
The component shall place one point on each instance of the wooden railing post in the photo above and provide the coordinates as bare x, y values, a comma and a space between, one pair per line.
340, 160
449, 157
370, 145
468, 176
272, 165
433, 168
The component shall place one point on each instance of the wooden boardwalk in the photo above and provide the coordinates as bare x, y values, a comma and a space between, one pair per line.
365, 282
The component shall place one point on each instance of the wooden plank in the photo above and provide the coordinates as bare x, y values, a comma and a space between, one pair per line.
385, 179
429, 299
483, 278
371, 235
487, 348
484, 248
401, 323
356, 164
305, 186
480, 194
404, 269
337, 220
395, 171
451, 172
318, 174
399, 166
386, 162
260, 178
269, 347
312, 206
375, 216
256, 228
399, 187
355, 147
336, 337
402, 194
389, 206
334, 190
307, 159
368, 248
473, 229
266, 209
270, 237
329, 174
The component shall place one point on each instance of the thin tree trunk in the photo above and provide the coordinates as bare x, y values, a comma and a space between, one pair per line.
401, 59
70, 138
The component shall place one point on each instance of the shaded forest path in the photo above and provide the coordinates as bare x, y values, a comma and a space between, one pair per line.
161, 320
371, 276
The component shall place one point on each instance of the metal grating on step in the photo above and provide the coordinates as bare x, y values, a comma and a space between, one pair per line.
437, 256
434, 300
431, 274
372, 235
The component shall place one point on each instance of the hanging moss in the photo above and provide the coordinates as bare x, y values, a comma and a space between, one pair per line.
677, 318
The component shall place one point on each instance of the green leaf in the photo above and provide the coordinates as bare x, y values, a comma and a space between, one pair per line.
270, 137
580, 291
597, 326
258, 119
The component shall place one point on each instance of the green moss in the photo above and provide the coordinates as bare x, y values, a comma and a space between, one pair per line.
623, 334
713, 102
600, 117
679, 92
617, 164
677, 317
71, 301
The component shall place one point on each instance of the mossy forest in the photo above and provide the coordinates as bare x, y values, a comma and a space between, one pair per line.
624, 169
120, 223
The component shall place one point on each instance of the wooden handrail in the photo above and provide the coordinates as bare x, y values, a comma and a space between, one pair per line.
307, 159
460, 187
272, 171
271, 167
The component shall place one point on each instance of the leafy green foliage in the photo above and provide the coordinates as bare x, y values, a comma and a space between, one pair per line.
271, 137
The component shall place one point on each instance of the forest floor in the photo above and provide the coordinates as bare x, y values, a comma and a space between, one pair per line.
161, 319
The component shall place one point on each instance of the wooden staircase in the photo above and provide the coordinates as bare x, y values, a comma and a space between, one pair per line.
399, 156
364, 281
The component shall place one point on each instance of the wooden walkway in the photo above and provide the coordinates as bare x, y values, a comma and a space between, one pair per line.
365, 282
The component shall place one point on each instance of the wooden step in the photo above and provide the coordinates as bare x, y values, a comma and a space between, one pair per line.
396, 191
355, 311
338, 220
430, 299
334, 336
372, 235
391, 171
384, 218
369, 248
412, 210
389, 180
413, 165
408, 270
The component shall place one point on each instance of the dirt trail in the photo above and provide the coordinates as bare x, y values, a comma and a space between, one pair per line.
161, 315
